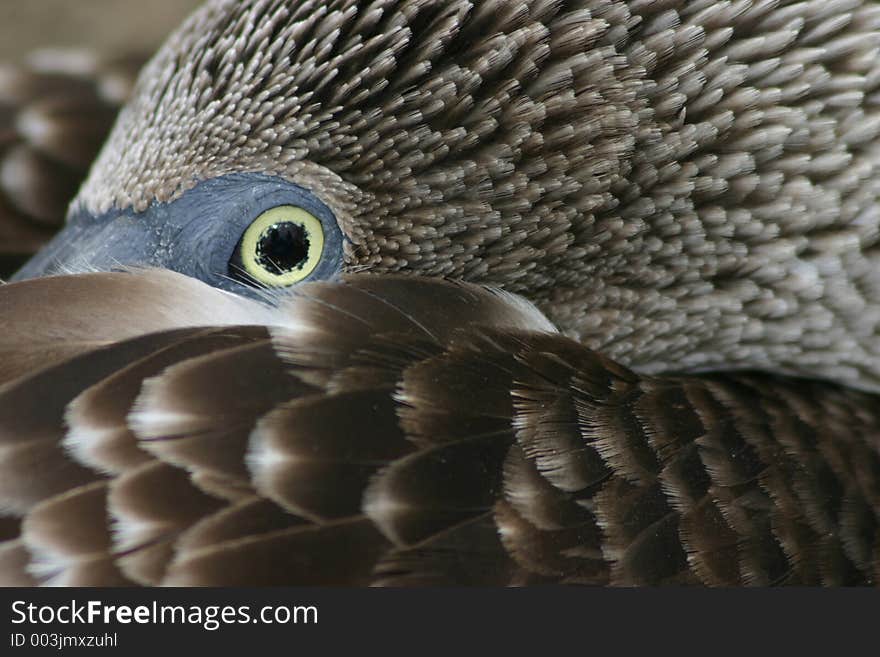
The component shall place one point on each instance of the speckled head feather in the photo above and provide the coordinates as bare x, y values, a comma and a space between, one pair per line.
682, 185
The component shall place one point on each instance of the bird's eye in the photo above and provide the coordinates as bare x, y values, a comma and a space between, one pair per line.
281, 247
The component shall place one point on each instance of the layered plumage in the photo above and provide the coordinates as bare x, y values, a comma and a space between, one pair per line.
401, 431
679, 185
686, 190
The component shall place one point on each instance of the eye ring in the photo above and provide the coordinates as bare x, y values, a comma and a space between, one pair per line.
281, 247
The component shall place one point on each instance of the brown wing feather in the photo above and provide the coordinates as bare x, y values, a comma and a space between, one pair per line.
149, 507
200, 413
73, 554
56, 318
365, 444
97, 419
337, 442
340, 553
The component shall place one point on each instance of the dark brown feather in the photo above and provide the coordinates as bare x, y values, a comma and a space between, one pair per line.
310, 446
97, 419
483, 452
341, 553
467, 554
149, 507
200, 413
73, 554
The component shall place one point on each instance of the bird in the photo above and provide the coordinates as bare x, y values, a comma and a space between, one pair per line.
414, 292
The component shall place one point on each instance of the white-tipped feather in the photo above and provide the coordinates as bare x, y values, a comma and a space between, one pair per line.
85, 444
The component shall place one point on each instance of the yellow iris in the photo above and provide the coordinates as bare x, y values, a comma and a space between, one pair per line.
282, 246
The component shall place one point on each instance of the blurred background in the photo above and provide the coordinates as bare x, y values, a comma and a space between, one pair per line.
56, 109
106, 25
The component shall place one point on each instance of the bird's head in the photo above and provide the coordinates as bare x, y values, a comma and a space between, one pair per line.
642, 172
271, 142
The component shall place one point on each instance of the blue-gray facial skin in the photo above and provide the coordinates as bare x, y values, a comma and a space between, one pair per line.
196, 235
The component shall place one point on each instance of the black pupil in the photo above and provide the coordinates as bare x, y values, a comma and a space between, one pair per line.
283, 247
